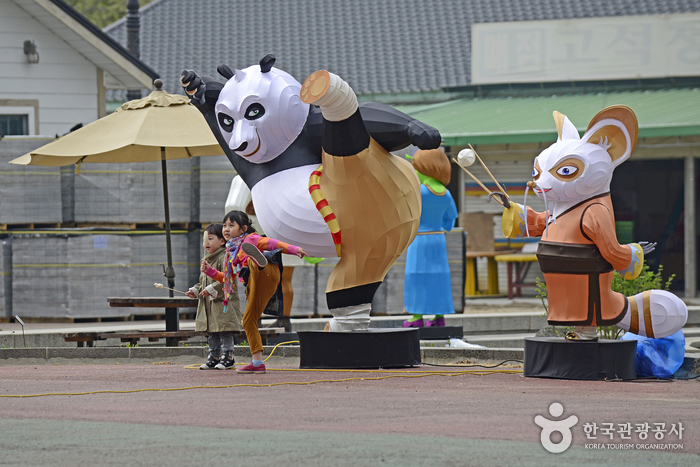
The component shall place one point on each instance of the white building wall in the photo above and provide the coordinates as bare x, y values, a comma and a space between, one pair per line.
64, 82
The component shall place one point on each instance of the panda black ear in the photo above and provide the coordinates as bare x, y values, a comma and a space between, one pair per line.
266, 63
225, 71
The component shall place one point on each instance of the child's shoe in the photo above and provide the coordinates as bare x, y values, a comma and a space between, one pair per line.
226, 363
250, 368
210, 364
255, 254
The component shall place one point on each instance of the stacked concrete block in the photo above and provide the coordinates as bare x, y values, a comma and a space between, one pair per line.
40, 274
148, 252
6, 276
456, 255
102, 193
98, 268
146, 191
303, 284
69, 275
28, 194
215, 175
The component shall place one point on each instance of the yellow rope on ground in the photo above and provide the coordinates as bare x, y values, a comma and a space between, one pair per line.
392, 374
268, 385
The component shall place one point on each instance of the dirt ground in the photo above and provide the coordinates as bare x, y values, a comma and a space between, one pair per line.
162, 413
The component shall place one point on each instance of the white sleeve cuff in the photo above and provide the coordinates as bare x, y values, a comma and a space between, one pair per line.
212, 291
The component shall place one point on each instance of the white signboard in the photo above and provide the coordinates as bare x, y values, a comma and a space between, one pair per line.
624, 47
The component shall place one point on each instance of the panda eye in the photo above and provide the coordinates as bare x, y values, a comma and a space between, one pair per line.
226, 122
567, 170
254, 111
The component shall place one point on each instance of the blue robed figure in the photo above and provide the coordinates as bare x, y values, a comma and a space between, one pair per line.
427, 286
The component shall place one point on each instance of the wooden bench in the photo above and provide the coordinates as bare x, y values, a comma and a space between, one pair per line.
171, 305
517, 273
471, 288
89, 338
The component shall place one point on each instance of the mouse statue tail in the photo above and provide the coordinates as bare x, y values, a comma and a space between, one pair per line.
654, 313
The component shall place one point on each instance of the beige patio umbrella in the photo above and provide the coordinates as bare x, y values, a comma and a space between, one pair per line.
161, 126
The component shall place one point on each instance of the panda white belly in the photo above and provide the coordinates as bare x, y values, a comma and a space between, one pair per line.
287, 213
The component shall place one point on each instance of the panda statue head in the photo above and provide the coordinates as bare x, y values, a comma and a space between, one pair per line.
259, 111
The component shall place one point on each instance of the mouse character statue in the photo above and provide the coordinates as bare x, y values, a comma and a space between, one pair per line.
321, 176
579, 249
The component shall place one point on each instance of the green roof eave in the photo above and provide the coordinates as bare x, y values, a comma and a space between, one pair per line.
544, 136
529, 119
498, 138
676, 130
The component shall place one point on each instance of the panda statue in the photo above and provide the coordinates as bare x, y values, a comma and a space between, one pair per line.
321, 176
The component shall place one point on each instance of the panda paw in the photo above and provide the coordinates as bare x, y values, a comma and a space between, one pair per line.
193, 85
423, 136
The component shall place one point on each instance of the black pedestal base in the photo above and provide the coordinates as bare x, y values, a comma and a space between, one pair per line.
283, 337
441, 332
373, 348
555, 357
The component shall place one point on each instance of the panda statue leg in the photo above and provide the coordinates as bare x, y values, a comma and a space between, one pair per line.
330, 92
351, 307
374, 196
350, 318
344, 135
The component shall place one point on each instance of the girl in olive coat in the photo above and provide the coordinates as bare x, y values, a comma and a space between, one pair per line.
219, 322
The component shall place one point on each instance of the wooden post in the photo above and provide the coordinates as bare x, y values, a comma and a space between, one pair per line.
690, 233
172, 318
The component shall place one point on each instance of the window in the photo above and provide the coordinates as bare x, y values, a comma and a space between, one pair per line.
18, 117
13, 125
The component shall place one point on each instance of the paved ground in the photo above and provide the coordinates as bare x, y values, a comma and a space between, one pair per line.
447, 419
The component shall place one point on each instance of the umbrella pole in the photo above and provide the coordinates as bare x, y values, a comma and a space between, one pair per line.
172, 318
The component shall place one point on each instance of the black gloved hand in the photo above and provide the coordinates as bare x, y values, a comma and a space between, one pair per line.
193, 85
423, 136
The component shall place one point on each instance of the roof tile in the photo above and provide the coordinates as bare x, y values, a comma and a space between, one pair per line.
379, 46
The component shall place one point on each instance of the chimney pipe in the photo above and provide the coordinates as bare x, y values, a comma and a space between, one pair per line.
133, 27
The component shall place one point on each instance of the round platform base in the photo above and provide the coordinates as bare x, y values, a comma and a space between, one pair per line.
555, 357
373, 348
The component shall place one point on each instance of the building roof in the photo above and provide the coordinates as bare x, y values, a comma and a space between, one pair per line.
90, 41
529, 119
378, 46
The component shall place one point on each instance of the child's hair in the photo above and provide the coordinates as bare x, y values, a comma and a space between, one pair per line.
215, 229
240, 218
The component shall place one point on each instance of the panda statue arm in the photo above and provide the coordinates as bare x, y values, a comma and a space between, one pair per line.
392, 129
203, 91
395, 130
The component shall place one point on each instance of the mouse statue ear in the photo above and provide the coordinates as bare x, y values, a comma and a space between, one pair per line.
565, 129
616, 129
